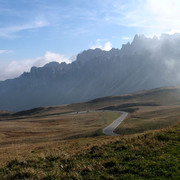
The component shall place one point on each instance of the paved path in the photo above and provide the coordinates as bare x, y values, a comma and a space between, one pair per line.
109, 130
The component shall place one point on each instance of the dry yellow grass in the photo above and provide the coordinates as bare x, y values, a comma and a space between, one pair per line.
150, 118
20, 137
50, 130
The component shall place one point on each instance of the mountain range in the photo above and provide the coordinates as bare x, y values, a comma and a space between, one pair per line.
146, 63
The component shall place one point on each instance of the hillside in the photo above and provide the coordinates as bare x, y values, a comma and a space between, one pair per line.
147, 156
51, 142
38, 128
143, 64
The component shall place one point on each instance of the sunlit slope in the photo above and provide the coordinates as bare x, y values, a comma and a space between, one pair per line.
39, 127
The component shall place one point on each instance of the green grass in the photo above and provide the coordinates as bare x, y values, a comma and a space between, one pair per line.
154, 155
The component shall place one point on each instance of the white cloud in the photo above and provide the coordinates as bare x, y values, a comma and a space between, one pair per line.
3, 51
152, 17
173, 31
10, 31
166, 13
73, 58
126, 38
16, 68
50, 56
106, 47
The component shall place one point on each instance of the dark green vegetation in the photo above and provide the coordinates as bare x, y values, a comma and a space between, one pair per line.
148, 156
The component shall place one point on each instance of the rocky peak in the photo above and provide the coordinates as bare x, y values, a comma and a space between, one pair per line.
90, 54
52, 65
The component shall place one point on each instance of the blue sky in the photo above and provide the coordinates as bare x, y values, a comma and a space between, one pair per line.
35, 32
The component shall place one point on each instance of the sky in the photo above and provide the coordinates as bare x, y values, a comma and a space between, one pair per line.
35, 32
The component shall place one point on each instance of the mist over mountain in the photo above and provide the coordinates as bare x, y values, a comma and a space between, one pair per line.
145, 63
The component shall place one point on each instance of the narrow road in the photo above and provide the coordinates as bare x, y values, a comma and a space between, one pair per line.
109, 130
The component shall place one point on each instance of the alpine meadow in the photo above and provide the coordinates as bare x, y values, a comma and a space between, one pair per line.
89, 90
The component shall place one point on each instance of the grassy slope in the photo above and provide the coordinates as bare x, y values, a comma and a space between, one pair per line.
154, 155
20, 137
150, 118
46, 129
150, 110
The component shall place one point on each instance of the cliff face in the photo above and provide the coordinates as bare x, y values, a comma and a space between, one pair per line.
144, 64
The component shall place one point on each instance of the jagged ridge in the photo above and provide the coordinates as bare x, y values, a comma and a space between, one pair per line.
145, 63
